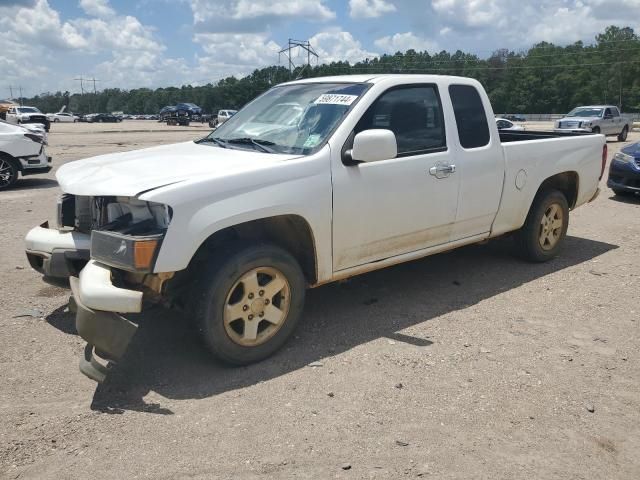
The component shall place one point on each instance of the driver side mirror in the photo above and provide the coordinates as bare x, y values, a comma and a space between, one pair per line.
374, 145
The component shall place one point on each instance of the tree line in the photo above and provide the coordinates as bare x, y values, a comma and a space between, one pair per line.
546, 78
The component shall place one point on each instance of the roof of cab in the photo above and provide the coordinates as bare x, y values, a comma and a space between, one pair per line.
372, 78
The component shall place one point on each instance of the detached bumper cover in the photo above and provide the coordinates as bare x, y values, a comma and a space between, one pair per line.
96, 301
56, 253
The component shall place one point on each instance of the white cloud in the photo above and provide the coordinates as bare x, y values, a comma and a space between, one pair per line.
97, 8
473, 13
336, 45
131, 34
39, 24
311, 9
516, 24
370, 8
228, 54
401, 42
237, 16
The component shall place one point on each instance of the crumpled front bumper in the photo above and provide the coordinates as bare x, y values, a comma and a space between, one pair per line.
98, 304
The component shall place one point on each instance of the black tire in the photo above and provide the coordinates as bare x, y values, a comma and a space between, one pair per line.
8, 172
219, 282
55, 120
623, 134
595, 130
528, 238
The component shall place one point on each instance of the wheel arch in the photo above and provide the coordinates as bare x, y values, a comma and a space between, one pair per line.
290, 232
566, 182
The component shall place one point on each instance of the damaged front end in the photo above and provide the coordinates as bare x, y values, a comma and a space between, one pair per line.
120, 238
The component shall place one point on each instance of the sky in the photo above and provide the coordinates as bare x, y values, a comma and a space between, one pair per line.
46, 44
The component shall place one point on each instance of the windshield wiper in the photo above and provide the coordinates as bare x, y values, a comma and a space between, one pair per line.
261, 144
217, 141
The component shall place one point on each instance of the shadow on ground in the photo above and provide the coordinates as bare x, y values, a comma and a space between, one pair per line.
632, 198
166, 356
29, 183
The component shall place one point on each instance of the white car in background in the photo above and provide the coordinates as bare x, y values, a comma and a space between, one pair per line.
62, 117
504, 124
21, 151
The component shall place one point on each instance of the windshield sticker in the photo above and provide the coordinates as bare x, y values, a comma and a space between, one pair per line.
312, 141
335, 99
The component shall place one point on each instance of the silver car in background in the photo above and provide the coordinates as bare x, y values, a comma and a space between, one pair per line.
604, 119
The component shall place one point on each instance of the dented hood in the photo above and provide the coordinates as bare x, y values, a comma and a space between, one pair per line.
130, 173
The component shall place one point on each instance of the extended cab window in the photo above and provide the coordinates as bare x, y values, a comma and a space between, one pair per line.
615, 112
413, 114
471, 119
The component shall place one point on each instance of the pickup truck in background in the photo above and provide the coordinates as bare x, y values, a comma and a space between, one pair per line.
20, 115
232, 228
604, 119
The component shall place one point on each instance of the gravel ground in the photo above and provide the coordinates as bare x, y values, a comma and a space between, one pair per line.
469, 364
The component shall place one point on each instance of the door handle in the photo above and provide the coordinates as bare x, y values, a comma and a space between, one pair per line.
442, 170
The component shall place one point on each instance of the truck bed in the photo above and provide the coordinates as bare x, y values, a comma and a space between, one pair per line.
515, 136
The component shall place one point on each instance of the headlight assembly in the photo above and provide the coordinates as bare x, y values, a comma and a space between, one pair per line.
624, 158
134, 253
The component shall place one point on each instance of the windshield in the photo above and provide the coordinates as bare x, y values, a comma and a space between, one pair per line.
28, 110
585, 112
291, 119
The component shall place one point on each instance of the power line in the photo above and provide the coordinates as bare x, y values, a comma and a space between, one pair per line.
297, 44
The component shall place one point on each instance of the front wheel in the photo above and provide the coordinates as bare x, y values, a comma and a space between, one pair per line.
248, 302
543, 233
595, 130
623, 135
8, 173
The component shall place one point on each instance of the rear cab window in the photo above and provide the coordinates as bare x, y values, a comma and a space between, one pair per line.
471, 117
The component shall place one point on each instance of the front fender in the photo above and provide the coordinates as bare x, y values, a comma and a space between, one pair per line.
299, 187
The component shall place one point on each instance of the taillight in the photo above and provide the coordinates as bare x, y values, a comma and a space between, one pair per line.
604, 160
34, 137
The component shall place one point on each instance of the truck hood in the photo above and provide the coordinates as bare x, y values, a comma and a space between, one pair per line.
130, 173
580, 119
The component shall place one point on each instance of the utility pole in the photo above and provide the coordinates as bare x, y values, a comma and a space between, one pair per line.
620, 80
20, 87
94, 84
81, 84
11, 92
294, 44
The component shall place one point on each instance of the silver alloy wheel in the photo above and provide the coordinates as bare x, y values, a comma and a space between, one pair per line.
6, 172
551, 227
257, 306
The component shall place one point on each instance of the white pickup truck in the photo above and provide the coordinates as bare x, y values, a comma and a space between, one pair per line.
377, 170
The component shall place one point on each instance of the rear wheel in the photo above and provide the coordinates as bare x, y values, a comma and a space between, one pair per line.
248, 303
542, 235
623, 135
8, 172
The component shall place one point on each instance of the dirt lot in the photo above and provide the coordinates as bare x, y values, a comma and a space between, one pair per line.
470, 364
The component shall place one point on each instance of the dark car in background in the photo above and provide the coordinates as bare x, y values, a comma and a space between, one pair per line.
624, 171
515, 118
103, 118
